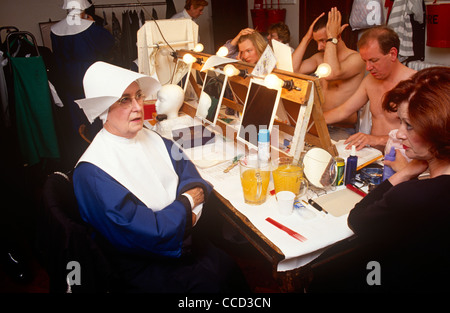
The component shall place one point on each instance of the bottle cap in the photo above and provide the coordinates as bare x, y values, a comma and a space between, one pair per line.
264, 135
353, 153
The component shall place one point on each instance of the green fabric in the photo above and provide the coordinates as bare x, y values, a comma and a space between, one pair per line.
35, 127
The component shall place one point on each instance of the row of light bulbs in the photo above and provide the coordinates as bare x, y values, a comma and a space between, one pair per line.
271, 80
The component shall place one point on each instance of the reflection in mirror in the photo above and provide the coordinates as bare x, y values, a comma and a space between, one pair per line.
211, 96
319, 167
259, 111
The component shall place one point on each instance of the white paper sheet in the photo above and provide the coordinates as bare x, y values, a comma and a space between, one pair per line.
283, 55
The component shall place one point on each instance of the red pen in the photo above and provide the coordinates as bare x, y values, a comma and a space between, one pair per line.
354, 189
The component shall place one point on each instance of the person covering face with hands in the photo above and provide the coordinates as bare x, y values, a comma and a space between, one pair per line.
347, 68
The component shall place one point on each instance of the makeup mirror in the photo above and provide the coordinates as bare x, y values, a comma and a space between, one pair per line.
260, 106
319, 168
211, 96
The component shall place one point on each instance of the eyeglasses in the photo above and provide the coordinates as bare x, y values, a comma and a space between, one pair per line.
127, 101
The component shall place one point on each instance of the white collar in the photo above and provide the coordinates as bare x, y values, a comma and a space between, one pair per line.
186, 14
142, 165
71, 25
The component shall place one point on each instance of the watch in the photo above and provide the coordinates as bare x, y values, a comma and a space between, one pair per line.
333, 40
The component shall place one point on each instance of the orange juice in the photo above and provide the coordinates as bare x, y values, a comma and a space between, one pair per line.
288, 177
254, 185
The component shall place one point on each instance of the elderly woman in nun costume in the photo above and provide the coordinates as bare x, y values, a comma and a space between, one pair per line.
142, 195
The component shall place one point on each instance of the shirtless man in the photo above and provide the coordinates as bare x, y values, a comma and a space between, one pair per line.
378, 47
347, 68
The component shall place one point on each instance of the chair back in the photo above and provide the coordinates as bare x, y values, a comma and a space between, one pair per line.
63, 237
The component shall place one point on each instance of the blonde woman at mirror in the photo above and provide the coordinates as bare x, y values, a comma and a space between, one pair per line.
247, 46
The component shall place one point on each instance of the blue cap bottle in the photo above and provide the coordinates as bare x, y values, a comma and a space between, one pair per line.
264, 146
350, 167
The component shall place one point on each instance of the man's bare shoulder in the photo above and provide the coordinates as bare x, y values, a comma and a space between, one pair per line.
353, 63
407, 72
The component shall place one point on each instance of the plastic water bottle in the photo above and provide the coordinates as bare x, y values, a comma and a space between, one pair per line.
387, 170
393, 144
264, 146
350, 167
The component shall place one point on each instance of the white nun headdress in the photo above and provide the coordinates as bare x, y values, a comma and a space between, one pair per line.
76, 4
105, 83
73, 23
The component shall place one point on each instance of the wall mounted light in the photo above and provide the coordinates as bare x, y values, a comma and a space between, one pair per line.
198, 47
189, 59
222, 52
231, 70
273, 81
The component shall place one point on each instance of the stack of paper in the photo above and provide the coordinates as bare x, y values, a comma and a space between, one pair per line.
365, 156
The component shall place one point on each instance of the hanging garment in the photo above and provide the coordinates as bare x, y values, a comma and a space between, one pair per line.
4, 116
141, 18
125, 42
134, 29
170, 9
105, 21
400, 22
117, 34
35, 125
154, 14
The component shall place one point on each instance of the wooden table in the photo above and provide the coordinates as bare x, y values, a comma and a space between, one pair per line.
295, 280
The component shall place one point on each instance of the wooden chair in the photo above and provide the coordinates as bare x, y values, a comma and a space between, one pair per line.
82, 132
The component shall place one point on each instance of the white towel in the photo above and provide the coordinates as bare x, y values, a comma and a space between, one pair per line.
400, 22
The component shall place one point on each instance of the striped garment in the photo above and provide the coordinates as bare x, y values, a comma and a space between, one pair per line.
400, 22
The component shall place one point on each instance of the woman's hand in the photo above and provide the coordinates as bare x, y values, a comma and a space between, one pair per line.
245, 31
197, 195
399, 163
412, 170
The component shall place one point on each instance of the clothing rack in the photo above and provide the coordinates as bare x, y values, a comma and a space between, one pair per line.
133, 4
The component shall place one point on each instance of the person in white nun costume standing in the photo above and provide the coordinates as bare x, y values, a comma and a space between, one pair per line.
77, 42
142, 195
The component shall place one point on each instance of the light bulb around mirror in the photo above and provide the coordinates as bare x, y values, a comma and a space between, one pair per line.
222, 52
230, 70
323, 70
198, 47
189, 58
272, 81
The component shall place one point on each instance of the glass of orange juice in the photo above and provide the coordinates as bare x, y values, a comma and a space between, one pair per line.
254, 180
288, 176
